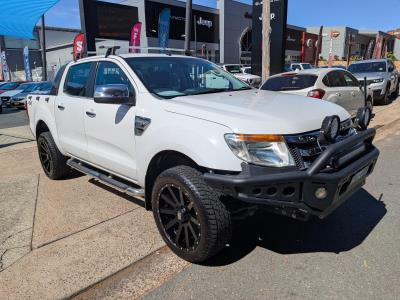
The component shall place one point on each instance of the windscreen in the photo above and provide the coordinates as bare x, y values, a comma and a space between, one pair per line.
289, 82
9, 86
170, 77
368, 67
306, 66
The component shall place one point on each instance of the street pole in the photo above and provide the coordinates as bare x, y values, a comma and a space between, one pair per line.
266, 29
188, 23
44, 61
195, 35
330, 60
349, 39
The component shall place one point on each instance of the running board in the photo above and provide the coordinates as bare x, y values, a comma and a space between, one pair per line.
109, 180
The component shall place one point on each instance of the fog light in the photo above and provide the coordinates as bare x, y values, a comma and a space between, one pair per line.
321, 193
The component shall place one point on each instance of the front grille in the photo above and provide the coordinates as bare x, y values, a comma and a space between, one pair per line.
305, 147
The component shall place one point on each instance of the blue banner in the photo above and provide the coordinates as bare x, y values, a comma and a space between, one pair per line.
163, 27
27, 66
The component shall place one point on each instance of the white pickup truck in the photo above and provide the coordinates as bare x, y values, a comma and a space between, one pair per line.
161, 127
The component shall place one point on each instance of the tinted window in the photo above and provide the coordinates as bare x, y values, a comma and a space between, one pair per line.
110, 73
289, 82
336, 79
306, 66
233, 69
77, 78
350, 80
296, 67
368, 67
325, 81
57, 80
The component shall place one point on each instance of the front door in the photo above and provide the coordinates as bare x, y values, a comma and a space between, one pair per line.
356, 97
110, 128
69, 106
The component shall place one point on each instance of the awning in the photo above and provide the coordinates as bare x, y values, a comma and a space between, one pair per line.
19, 17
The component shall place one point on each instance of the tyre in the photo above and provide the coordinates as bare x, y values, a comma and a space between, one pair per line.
1, 109
395, 94
386, 98
53, 162
192, 220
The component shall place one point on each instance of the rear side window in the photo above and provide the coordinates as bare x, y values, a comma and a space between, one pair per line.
77, 79
350, 79
289, 83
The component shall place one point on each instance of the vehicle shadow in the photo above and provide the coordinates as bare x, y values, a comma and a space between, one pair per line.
345, 229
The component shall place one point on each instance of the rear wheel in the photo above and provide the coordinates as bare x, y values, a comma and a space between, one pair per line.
192, 220
53, 162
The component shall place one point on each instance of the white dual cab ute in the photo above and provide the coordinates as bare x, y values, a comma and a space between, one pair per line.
160, 127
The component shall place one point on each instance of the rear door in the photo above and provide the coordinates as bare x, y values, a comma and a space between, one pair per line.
110, 128
336, 88
69, 106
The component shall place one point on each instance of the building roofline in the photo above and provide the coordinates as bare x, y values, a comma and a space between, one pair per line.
59, 29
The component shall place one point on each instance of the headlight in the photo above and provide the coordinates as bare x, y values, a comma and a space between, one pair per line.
379, 80
260, 149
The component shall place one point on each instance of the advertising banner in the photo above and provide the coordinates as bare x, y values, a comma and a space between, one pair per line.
135, 37
378, 47
27, 66
79, 46
163, 27
4, 65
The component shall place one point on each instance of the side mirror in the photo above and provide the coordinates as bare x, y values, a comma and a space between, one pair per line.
113, 94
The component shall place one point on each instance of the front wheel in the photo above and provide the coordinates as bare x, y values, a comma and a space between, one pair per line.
192, 220
395, 94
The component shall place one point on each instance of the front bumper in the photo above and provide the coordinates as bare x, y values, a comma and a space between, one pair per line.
341, 169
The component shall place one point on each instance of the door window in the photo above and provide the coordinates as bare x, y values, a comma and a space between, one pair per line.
77, 79
110, 73
350, 80
336, 79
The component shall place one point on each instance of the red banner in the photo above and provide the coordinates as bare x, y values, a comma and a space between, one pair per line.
79, 46
135, 38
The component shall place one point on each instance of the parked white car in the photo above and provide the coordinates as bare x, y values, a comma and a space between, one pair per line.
297, 66
333, 85
237, 71
157, 126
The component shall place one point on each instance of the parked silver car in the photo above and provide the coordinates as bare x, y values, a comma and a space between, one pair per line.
382, 78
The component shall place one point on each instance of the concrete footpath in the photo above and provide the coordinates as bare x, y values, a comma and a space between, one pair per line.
57, 238
76, 237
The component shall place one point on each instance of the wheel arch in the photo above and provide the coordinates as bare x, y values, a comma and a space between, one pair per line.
159, 163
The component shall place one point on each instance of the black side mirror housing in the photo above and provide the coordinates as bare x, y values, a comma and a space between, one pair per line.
113, 94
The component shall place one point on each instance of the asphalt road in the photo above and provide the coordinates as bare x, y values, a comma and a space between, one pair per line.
12, 117
353, 254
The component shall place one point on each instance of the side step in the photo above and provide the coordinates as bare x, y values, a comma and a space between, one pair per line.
109, 180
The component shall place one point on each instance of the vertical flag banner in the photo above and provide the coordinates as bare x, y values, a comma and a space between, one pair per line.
27, 66
4, 65
163, 27
79, 46
135, 38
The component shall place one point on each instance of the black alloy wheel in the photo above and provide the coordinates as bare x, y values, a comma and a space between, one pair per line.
45, 156
179, 217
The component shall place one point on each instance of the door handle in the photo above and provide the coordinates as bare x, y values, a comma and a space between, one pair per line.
61, 107
338, 94
353, 94
90, 114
